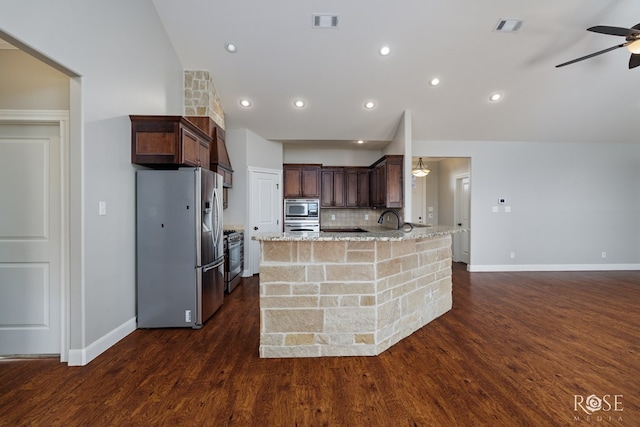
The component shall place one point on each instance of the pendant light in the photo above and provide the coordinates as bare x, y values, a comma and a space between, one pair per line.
420, 170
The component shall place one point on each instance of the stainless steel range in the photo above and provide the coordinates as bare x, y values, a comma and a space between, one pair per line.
234, 258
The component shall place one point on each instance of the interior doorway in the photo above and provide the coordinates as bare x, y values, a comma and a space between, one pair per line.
33, 274
36, 93
441, 197
265, 211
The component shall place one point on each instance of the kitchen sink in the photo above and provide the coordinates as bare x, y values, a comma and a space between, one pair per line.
345, 230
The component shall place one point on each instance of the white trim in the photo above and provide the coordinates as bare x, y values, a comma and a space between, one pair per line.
83, 356
46, 116
552, 267
61, 117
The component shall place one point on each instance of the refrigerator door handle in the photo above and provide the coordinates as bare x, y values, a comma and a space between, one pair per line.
217, 263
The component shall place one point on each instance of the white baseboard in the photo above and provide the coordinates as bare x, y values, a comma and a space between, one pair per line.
552, 267
83, 356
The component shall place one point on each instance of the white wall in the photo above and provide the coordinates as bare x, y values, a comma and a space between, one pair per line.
246, 149
570, 202
123, 71
331, 156
27, 83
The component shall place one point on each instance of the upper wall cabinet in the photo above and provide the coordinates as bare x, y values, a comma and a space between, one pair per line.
220, 161
358, 187
301, 180
332, 188
387, 182
168, 141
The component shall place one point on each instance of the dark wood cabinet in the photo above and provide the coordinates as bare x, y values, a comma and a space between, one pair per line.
333, 188
168, 141
387, 183
219, 158
379, 185
301, 180
358, 187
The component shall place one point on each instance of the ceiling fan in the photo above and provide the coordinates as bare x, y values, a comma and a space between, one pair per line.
632, 43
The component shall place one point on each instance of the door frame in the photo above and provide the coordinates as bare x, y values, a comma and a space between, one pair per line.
458, 236
61, 118
251, 204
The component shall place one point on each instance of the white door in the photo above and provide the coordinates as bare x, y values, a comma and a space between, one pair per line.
30, 239
462, 240
265, 209
418, 200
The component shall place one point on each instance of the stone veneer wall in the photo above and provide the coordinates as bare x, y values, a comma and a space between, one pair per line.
349, 298
201, 97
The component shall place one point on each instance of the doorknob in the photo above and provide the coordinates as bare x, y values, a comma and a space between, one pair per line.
255, 228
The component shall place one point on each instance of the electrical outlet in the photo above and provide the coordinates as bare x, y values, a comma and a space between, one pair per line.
102, 208
333, 217
366, 217
187, 316
513, 255
604, 254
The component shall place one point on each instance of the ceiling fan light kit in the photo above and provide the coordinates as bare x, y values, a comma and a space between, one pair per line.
632, 43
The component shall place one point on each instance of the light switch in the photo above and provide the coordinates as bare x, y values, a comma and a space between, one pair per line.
102, 208
430, 208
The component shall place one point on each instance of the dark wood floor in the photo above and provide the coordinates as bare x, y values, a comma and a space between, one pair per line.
515, 350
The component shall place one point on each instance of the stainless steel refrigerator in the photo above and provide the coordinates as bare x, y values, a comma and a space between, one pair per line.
179, 242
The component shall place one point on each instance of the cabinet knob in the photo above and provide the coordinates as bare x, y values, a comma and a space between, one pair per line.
255, 228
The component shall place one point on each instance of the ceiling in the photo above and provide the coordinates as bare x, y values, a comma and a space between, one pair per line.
280, 58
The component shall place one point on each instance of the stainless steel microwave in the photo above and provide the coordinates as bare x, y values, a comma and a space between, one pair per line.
301, 208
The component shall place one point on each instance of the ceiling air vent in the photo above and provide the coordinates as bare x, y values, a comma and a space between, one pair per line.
325, 21
508, 25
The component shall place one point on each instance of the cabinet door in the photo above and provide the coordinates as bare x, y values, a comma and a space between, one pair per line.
292, 177
326, 198
357, 187
363, 188
333, 188
352, 188
339, 196
203, 155
310, 181
190, 148
394, 183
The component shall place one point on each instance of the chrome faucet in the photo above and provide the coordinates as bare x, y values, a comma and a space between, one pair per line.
381, 219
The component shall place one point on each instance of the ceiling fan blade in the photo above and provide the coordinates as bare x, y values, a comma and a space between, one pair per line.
634, 61
612, 31
591, 55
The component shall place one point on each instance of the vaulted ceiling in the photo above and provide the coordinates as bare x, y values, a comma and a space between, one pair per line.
280, 57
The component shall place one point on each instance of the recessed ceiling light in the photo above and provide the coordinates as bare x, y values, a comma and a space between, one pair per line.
369, 105
299, 103
434, 81
231, 48
360, 141
245, 103
495, 97
385, 50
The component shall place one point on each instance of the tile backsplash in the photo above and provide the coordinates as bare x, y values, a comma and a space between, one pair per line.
355, 217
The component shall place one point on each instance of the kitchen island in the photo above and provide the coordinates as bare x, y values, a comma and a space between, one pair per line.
350, 293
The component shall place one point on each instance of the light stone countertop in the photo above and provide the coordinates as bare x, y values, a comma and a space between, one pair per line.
376, 233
